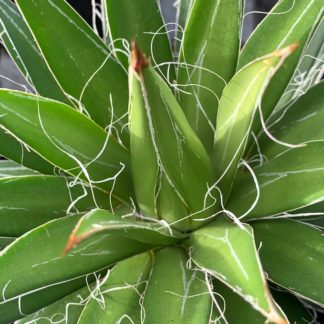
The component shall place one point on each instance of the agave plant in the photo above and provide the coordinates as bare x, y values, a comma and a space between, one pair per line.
150, 183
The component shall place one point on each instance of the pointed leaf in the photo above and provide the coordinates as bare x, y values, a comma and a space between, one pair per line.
316, 209
301, 122
235, 262
208, 58
297, 175
294, 308
181, 293
32, 302
69, 307
309, 70
120, 292
155, 196
100, 221
140, 20
67, 139
318, 221
183, 9
177, 148
293, 21
288, 22
9, 169
85, 69
42, 263
12, 149
237, 108
236, 309
292, 242
27, 202
144, 162
23, 49
170, 207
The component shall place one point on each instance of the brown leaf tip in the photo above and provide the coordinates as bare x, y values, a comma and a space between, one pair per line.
275, 318
138, 59
284, 52
73, 240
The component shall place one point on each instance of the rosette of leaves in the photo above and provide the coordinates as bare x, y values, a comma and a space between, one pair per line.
158, 184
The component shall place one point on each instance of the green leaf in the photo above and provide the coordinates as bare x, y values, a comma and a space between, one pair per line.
286, 242
12, 149
317, 221
101, 221
288, 22
171, 208
9, 169
154, 195
293, 307
309, 68
236, 309
68, 308
237, 108
144, 161
121, 291
301, 122
42, 263
23, 49
5, 241
27, 202
85, 69
176, 147
297, 175
69, 140
311, 214
140, 20
235, 262
34, 301
181, 293
208, 58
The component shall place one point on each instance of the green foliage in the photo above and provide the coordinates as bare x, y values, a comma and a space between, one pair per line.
150, 181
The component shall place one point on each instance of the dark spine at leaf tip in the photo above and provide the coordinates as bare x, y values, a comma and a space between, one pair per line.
138, 59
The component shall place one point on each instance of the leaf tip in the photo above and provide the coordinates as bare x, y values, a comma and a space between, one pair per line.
277, 321
275, 318
286, 51
72, 241
280, 54
138, 59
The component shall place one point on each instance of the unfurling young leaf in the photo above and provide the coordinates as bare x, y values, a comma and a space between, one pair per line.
171, 148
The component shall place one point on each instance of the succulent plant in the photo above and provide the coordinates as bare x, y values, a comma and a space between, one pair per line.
146, 182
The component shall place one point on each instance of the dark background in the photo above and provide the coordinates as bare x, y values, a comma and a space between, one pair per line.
84, 8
